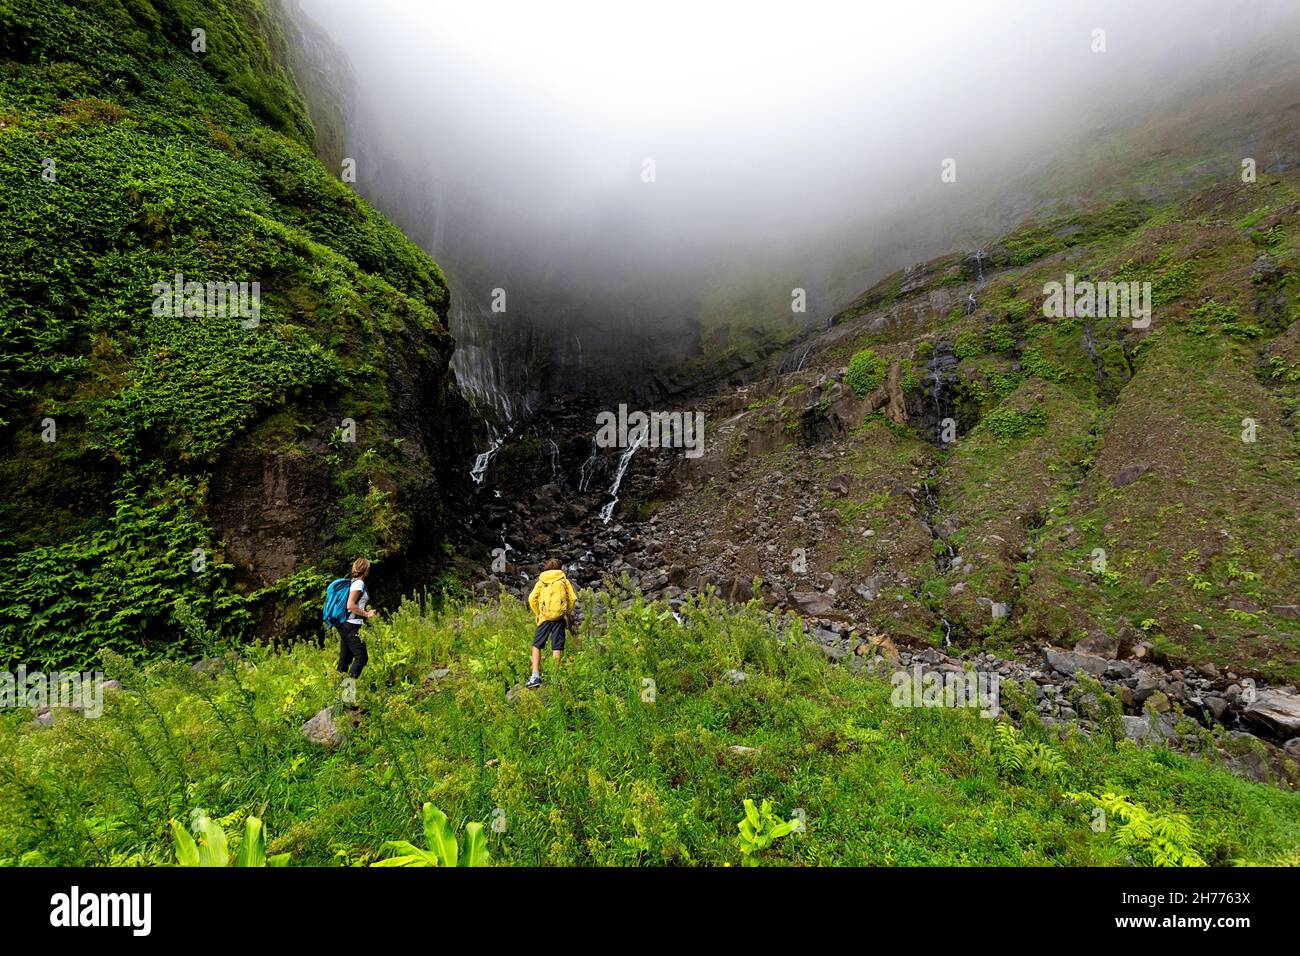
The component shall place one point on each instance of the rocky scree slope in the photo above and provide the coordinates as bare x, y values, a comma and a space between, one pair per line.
1095, 510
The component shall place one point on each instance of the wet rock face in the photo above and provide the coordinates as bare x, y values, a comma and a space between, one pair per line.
277, 504
268, 509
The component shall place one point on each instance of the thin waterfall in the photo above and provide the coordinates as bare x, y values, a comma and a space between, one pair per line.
479, 471
607, 512
588, 468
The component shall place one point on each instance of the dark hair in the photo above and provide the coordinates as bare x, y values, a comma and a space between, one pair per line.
553, 565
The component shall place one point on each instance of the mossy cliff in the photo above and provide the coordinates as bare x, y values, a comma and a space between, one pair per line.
182, 475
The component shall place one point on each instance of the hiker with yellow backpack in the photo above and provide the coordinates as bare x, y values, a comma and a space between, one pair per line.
552, 602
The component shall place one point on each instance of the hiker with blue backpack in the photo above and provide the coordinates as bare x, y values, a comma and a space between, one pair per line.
345, 609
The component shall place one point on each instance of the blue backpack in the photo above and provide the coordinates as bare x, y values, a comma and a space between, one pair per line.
336, 602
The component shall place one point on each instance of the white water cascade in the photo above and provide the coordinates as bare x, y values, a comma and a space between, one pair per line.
607, 512
479, 471
588, 467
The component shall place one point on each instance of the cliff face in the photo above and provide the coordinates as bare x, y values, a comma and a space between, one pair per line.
190, 458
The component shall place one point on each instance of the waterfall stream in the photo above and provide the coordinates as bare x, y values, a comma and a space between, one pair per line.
588, 468
479, 471
607, 512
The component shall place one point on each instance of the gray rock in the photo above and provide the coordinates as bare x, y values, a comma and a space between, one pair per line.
1128, 474
811, 603
1217, 706
1276, 711
1136, 728
1099, 645
1070, 662
736, 676
209, 666
1292, 747
44, 718
1145, 688
322, 730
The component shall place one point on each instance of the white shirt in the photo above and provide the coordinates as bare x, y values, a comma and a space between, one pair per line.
360, 600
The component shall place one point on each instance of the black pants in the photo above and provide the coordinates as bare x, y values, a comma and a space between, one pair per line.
352, 650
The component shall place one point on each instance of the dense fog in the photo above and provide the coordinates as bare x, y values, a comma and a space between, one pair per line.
634, 174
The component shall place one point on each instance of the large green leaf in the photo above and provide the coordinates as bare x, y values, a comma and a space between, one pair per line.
212, 844
439, 836
408, 855
476, 851
187, 854
252, 852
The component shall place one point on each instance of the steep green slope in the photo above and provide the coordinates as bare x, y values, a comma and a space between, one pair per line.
638, 751
1101, 480
152, 459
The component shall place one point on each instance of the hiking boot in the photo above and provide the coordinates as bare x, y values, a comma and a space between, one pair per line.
533, 683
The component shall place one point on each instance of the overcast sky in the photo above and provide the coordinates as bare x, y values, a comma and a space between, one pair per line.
515, 134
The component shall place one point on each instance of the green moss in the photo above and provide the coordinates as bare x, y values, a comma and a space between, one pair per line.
171, 161
866, 372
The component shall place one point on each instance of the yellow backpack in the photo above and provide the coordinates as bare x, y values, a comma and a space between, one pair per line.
553, 601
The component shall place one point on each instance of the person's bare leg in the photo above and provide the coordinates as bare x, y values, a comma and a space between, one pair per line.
537, 660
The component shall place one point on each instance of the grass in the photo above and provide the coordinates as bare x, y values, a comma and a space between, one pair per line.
591, 770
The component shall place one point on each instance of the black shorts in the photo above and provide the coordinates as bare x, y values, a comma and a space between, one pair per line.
550, 629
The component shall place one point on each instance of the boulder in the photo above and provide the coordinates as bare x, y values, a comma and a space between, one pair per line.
1068, 663
811, 603
737, 590
1218, 707
322, 729
1276, 711
1099, 645
735, 676
1128, 474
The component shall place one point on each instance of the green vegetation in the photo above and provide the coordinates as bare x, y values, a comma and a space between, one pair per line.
210, 849
443, 847
1008, 423
866, 372
593, 769
126, 158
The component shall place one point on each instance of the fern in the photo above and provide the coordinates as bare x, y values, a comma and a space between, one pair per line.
1022, 757
1155, 839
